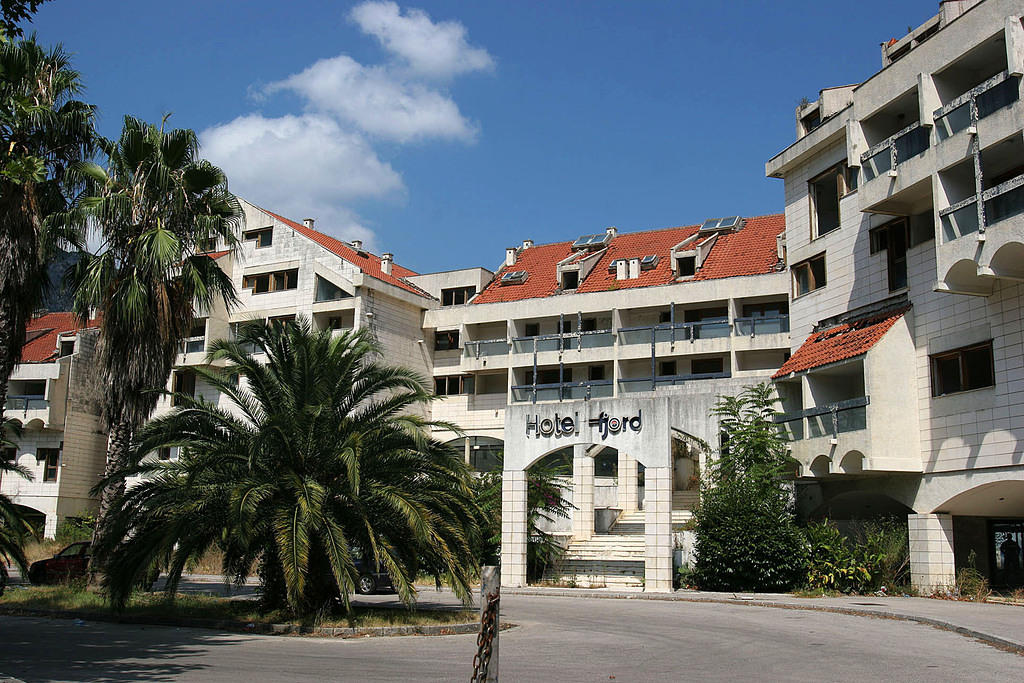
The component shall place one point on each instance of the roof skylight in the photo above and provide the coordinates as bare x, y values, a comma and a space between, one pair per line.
727, 223
594, 241
514, 277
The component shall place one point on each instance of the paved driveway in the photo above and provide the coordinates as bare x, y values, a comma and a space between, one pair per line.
558, 639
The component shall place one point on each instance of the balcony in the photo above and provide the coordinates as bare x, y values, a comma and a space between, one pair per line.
486, 347
965, 111
752, 327
885, 157
826, 430
565, 391
674, 332
27, 408
635, 384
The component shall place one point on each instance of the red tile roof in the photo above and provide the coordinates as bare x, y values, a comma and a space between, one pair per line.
749, 251
368, 263
41, 335
840, 342
217, 254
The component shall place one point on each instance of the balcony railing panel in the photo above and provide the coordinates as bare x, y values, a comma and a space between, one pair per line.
985, 99
960, 219
751, 327
23, 404
566, 391
487, 347
829, 420
634, 384
1004, 201
891, 152
597, 340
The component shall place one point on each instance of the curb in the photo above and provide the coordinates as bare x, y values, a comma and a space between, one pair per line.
250, 627
988, 639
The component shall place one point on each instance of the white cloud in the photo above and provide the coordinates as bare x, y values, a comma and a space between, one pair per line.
435, 50
301, 166
374, 100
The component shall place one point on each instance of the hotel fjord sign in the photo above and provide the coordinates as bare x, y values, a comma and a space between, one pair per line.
569, 425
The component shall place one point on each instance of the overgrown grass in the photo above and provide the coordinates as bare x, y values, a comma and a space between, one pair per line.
41, 549
77, 599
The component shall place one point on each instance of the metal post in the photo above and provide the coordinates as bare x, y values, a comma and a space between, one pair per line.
485, 665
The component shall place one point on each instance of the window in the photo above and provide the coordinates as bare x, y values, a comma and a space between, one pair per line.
67, 347
771, 309
446, 340
719, 314
825, 191
686, 266
532, 329
51, 460
9, 454
963, 369
164, 453
570, 279
453, 386
455, 296
196, 342
664, 317
892, 238
272, 282
589, 325
705, 366
334, 323
328, 291
595, 373
809, 275
263, 237
208, 244
184, 383
667, 368
549, 376
34, 389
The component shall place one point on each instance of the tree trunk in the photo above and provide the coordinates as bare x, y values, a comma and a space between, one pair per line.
118, 450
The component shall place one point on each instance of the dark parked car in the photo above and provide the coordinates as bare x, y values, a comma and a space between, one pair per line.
70, 563
371, 578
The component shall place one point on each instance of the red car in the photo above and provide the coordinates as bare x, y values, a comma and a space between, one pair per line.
70, 563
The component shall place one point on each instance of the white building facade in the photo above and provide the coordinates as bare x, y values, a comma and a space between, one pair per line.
905, 233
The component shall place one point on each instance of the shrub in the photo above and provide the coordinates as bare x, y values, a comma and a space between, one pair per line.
746, 535
74, 529
875, 557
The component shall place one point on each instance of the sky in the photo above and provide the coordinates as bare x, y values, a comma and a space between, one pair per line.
444, 132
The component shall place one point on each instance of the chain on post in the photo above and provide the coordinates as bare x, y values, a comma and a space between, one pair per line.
485, 641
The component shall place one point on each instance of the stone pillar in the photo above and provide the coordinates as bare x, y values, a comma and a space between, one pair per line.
513, 528
582, 493
658, 529
931, 552
627, 483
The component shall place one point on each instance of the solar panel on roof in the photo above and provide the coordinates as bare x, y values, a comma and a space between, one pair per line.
587, 241
513, 277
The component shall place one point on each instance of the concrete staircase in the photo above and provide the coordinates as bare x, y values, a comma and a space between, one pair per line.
616, 559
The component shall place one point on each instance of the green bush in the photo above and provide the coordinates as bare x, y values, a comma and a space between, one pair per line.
746, 534
874, 557
747, 539
74, 529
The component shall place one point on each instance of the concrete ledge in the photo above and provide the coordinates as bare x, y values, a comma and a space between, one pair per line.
783, 601
252, 627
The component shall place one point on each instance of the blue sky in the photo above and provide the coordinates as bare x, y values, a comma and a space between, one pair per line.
446, 131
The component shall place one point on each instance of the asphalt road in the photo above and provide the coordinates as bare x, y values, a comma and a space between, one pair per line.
558, 639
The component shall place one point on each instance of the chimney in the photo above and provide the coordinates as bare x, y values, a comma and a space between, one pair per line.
510, 256
386, 259
527, 244
357, 245
308, 222
634, 268
612, 231
621, 269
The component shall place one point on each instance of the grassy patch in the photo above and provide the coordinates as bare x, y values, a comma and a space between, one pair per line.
77, 599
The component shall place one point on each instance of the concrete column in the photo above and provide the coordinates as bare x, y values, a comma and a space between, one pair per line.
513, 528
658, 529
627, 498
582, 493
931, 552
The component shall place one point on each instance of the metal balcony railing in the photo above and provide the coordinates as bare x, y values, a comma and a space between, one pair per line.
633, 384
674, 332
759, 325
980, 101
830, 420
883, 158
486, 347
562, 391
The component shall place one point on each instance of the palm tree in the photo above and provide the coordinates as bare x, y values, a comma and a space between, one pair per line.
319, 459
155, 205
43, 130
14, 528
